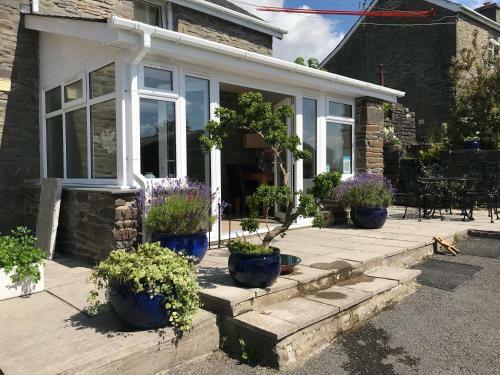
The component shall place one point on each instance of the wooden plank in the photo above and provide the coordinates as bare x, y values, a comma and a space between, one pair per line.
48, 214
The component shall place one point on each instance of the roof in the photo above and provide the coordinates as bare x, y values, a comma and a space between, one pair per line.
229, 11
446, 4
131, 35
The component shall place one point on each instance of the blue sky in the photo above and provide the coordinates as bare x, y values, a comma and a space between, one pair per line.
313, 35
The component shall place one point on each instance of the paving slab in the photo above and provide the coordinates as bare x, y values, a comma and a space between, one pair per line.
331, 263
369, 284
280, 284
340, 296
57, 274
76, 295
228, 294
401, 275
301, 312
267, 325
304, 274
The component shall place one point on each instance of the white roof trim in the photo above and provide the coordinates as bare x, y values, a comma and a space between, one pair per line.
233, 16
124, 33
441, 3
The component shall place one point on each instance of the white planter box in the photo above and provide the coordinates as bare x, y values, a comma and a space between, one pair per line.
10, 290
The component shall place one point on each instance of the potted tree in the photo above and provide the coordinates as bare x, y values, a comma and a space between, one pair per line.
149, 287
250, 264
177, 214
368, 195
21, 264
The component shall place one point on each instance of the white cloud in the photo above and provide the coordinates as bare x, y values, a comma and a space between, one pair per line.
308, 35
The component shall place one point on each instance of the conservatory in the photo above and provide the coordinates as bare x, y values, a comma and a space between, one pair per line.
122, 102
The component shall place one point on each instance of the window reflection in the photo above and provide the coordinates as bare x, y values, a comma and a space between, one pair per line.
76, 144
338, 148
103, 125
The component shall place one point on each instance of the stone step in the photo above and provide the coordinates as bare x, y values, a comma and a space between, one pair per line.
285, 332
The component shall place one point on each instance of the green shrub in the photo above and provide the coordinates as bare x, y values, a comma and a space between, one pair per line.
18, 251
154, 270
179, 214
432, 155
324, 184
243, 247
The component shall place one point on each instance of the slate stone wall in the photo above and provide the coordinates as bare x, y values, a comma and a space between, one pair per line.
195, 23
416, 60
402, 120
369, 136
92, 223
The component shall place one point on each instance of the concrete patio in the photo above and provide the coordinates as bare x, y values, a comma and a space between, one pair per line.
50, 332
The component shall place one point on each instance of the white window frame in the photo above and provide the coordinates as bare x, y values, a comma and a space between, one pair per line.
345, 121
318, 135
166, 96
71, 106
165, 12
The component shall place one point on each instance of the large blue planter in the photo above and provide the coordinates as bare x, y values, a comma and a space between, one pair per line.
369, 217
138, 310
255, 270
472, 145
194, 244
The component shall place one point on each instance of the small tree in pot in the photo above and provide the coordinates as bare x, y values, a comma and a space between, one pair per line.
250, 264
324, 185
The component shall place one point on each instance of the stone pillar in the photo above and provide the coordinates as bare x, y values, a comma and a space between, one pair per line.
369, 132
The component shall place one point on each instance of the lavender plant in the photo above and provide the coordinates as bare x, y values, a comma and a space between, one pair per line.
174, 207
365, 190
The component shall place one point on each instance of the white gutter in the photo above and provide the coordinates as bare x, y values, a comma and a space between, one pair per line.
232, 16
479, 17
179, 38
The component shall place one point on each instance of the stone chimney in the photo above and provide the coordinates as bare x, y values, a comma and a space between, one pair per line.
491, 10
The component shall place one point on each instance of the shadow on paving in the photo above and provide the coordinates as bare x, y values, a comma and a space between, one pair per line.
480, 247
368, 352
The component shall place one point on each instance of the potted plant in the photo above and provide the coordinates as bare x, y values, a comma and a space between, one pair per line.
177, 214
368, 195
21, 264
259, 264
391, 142
472, 143
149, 287
324, 185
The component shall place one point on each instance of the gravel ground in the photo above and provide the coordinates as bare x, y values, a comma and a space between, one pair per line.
433, 331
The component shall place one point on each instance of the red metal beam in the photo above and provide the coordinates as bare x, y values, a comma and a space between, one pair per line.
368, 13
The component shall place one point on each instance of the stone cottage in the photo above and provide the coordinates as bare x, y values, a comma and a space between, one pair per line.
107, 95
416, 54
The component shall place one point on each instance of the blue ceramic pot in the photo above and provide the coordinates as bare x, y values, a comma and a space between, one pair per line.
194, 244
138, 310
472, 145
255, 270
368, 217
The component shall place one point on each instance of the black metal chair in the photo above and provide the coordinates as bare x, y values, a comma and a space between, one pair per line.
485, 190
409, 193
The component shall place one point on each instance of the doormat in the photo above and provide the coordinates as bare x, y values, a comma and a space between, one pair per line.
480, 247
445, 275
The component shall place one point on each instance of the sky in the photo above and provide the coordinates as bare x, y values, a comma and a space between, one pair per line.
313, 35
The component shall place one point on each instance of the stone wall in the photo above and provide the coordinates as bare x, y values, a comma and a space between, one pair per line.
92, 223
403, 123
195, 23
369, 136
416, 60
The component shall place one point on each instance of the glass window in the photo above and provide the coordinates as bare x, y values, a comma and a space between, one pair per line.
147, 13
157, 78
103, 125
53, 100
197, 115
73, 91
339, 109
54, 146
157, 138
309, 121
76, 144
102, 81
338, 148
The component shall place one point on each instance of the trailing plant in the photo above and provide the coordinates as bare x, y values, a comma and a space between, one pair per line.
243, 247
390, 137
387, 109
431, 155
323, 185
174, 207
18, 252
475, 73
258, 116
154, 270
365, 190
